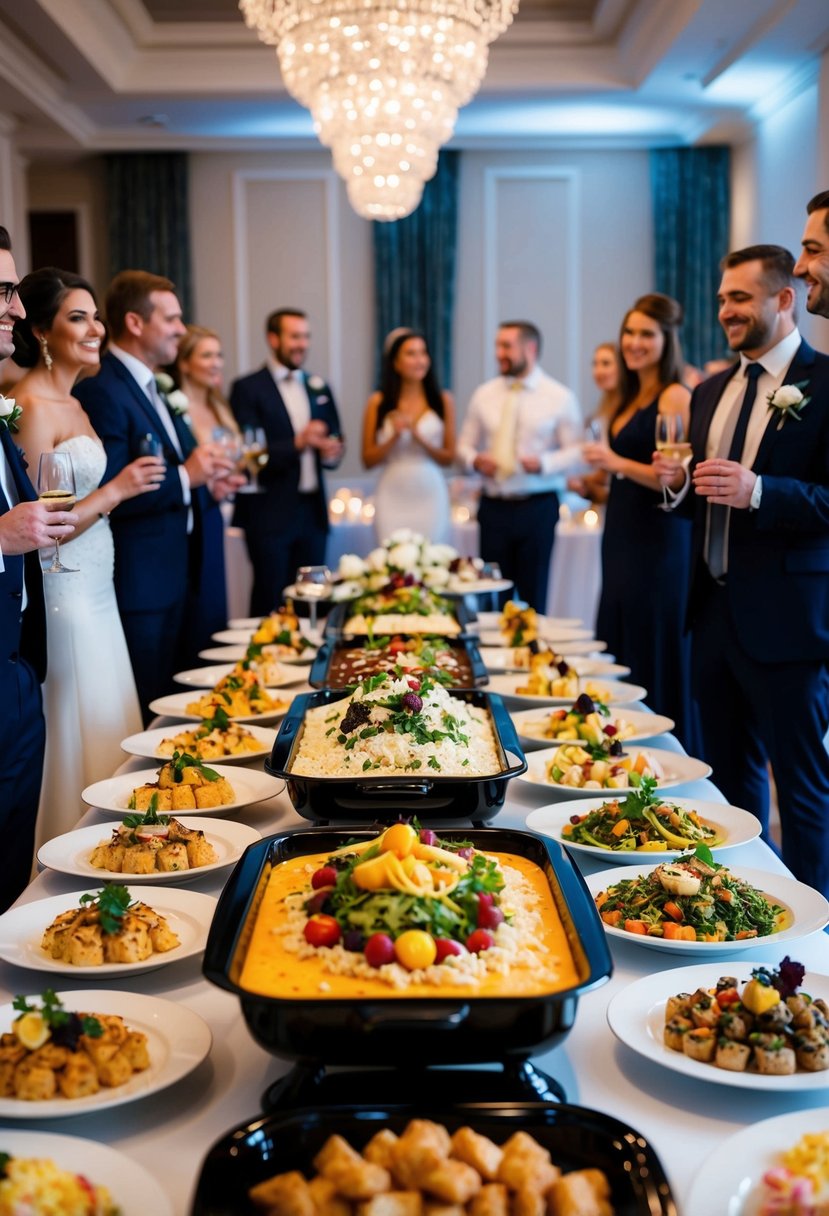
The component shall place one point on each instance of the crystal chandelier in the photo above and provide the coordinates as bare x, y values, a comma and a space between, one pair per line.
383, 80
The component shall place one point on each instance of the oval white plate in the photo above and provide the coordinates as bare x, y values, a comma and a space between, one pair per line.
729, 1180
114, 793
677, 767
480, 586
146, 744
174, 705
489, 620
499, 659
736, 825
189, 914
547, 632
201, 677
133, 1188
69, 854
809, 910
636, 1016
530, 724
232, 654
177, 1041
234, 637
617, 692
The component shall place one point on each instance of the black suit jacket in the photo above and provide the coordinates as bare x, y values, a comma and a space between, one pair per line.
150, 531
256, 401
22, 634
777, 587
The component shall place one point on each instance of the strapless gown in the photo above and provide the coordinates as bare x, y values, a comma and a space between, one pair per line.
412, 490
89, 696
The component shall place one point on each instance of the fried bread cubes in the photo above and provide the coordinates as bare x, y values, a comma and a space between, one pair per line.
185, 784
214, 739
153, 844
240, 695
108, 928
427, 1171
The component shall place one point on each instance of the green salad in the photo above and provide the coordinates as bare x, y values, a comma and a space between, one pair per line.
643, 821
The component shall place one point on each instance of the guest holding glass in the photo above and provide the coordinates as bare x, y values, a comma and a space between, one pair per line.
645, 550
606, 374
409, 429
87, 716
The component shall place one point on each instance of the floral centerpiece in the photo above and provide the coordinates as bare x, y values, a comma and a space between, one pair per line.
405, 555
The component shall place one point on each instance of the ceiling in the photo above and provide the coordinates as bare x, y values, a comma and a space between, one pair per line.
100, 75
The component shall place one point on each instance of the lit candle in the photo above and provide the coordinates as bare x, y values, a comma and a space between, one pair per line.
591, 518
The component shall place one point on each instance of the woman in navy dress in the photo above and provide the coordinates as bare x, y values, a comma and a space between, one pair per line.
645, 551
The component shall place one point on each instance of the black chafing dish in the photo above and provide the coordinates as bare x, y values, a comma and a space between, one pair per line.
463, 654
362, 797
397, 1029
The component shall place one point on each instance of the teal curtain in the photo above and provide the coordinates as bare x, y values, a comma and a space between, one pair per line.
149, 222
414, 269
692, 211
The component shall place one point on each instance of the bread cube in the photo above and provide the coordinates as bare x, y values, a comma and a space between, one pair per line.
79, 1078
108, 857
354, 1177
200, 852
379, 1148
580, 1193
527, 1201
116, 1071
139, 859
492, 1200
285, 1195
7, 1071
327, 1202
172, 857
478, 1151
131, 945
208, 796
526, 1164
453, 1181
392, 1203
183, 798
33, 1083
226, 792
84, 947
135, 1050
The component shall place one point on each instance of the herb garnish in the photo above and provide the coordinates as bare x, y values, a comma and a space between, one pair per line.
111, 903
53, 1013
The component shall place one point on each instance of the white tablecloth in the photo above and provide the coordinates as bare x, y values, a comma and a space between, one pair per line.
684, 1119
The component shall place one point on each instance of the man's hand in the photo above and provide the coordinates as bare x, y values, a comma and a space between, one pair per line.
205, 463
331, 449
221, 487
530, 464
312, 435
671, 472
485, 464
32, 525
724, 482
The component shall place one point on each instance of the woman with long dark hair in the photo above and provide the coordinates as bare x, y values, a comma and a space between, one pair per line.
89, 697
646, 551
409, 428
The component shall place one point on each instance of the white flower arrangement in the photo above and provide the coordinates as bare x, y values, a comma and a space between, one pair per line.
164, 383
10, 411
352, 567
178, 401
789, 402
404, 552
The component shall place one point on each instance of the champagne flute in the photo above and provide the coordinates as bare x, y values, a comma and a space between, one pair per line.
254, 457
313, 583
56, 485
672, 440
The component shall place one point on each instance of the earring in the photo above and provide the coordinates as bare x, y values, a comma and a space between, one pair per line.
44, 350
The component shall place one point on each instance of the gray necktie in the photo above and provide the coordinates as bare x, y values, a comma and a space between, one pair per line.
719, 517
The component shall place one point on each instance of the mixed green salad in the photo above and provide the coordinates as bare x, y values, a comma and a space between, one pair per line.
643, 821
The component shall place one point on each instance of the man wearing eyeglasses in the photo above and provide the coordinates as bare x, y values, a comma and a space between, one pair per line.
25, 526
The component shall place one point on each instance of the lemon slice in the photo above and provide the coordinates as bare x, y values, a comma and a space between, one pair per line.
32, 1030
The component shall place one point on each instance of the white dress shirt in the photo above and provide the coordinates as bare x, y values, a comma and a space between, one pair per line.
291, 385
548, 425
9, 489
775, 364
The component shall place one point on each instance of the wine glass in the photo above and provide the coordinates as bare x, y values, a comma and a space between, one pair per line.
254, 457
313, 583
56, 486
673, 441
594, 431
149, 445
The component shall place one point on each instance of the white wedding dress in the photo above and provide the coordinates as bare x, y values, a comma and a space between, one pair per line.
89, 697
412, 490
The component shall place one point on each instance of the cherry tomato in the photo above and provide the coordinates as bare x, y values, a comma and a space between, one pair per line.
489, 918
415, 949
478, 940
326, 876
322, 930
445, 946
319, 902
379, 950
485, 900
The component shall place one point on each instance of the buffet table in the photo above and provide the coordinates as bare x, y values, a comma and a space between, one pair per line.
171, 1132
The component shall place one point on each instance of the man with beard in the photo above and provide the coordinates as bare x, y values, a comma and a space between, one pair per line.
813, 263
521, 435
759, 598
286, 526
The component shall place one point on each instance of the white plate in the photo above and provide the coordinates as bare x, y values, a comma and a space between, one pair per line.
617, 692
189, 914
199, 677
480, 586
530, 724
69, 854
677, 767
809, 910
234, 637
177, 1041
729, 1181
174, 705
502, 658
135, 1190
489, 620
735, 825
232, 654
146, 743
636, 1016
549, 632
114, 793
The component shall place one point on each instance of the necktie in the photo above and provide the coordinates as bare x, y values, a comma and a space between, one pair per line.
719, 516
164, 415
503, 449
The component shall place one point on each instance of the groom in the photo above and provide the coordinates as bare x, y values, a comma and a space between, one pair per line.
25, 526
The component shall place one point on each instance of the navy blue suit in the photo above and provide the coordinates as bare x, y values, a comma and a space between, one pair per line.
155, 560
761, 639
283, 528
22, 669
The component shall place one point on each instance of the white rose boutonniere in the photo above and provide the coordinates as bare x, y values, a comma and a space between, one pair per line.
788, 401
177, 401
9, 413
164, 382
315, 383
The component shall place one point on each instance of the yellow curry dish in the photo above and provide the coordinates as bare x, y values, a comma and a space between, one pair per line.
407, 914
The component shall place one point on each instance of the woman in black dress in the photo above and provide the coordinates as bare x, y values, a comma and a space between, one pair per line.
646, 551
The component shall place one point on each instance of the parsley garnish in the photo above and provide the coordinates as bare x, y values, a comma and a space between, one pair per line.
111, 903
53, 1013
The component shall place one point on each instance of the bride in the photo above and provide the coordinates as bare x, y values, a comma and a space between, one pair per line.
90, 702
409, 428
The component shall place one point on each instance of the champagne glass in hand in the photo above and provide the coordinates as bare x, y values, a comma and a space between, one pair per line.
56, 486
254, 457
673, 442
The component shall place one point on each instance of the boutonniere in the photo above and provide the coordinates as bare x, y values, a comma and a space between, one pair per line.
178, 401
9, 413
164, 383
315, 383
789, 401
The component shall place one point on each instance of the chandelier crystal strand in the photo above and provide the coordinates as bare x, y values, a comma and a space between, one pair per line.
383, 82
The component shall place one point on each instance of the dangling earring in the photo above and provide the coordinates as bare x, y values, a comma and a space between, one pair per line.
44, 350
